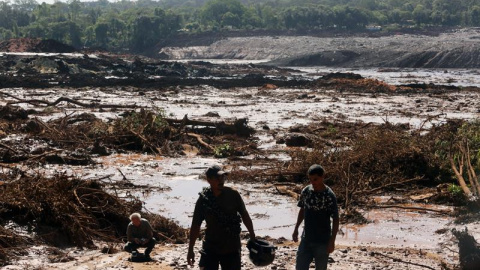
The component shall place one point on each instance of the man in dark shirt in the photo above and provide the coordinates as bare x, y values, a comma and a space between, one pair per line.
317, 205
139, 234
223, 210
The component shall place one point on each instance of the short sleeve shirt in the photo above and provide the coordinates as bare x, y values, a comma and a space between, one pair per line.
319, 207
216, 239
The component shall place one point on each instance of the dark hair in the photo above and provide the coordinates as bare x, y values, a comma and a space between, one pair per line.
316, 169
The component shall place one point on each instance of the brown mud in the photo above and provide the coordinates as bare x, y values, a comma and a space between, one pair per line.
35, 45
87, 139
453, 48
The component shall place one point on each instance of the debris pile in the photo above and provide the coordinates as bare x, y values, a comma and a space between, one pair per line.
138, 131
11, 244
362, 159
45, 71
376, 158
352, 82
63, 210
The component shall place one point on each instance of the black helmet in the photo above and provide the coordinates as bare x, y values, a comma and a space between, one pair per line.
262, 252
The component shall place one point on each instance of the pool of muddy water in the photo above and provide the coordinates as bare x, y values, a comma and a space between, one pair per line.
170, 187
275, 215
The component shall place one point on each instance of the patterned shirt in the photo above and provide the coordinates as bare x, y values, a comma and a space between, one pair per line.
319, 208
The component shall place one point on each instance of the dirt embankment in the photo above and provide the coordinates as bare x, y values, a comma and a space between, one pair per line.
21, 45
451, 49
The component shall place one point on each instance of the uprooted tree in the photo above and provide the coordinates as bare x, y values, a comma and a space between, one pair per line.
377, 158
464, 158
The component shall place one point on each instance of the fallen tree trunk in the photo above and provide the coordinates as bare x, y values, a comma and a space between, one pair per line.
37, 102
239, 127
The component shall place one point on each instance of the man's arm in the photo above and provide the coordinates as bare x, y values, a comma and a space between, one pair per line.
130, 234
301, 216
149, 235
331, 243
249, 224
194, 234
197, 220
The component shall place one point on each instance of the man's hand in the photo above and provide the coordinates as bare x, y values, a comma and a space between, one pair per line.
331, 246
295, 235
190, 257
137, 241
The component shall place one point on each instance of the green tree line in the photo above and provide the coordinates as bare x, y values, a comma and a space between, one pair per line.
139, 25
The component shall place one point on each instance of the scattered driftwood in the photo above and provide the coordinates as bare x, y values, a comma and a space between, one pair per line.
10, 244
402, 261
8, 147
239, 127
77, 135
200, 140
373, 190
37, 102
283, 190
443, 212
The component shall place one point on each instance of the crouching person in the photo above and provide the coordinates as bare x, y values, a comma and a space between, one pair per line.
139, 234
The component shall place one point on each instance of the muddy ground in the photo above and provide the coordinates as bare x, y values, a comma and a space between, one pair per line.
66, 113
456, 48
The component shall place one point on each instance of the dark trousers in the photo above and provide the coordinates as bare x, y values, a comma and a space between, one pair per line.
211, 261
131, 246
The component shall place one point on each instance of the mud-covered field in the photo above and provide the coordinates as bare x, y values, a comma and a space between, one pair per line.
456, 48
109, 134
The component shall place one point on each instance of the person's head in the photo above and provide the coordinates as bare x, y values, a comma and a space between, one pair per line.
215, 177
135, 218
316, 174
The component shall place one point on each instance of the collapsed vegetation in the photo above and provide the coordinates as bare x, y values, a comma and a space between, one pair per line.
66, 211
37, 71
362, 160
74, 139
